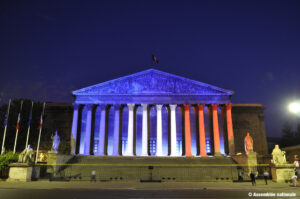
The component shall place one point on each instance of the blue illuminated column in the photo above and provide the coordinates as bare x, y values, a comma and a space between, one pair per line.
159, 131
116, 139
101, 145
173, 130
130, 130
74, 128
87, 137
145, 130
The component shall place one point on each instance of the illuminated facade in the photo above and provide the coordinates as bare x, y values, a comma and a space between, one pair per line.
152, 113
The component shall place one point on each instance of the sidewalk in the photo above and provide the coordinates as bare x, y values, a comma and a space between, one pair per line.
86, 185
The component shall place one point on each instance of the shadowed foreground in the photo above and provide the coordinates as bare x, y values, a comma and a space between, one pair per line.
86, 190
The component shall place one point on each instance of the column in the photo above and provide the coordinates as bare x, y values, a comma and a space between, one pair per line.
88, 129
201, 131
145, 130
116, 139
159, 131
173, 130
216, 129
74, 129
101, 142
188, 148
230, 129
130, 130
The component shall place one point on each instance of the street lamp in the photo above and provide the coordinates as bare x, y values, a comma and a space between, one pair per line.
294, 107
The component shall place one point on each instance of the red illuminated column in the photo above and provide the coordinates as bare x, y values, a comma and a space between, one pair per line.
216, 129
229, 129
201, 131
187, 125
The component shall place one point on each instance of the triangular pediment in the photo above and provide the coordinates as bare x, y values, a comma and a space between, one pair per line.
152, 82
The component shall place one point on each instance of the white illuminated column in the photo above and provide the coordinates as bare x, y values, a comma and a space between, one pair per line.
145, 131
130, 130
173, 130
101, 142
74, 127
87, 137
159, 131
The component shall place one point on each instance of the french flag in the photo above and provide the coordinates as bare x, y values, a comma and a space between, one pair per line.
41, 122
155, 59
18, 122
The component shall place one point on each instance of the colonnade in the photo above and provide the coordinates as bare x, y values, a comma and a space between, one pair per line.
131, 125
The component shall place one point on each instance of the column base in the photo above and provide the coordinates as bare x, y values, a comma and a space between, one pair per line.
218, 154
174, 155
128, 154
203, 155
144, 155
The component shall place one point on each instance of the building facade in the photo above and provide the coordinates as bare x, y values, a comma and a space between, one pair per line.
154, 113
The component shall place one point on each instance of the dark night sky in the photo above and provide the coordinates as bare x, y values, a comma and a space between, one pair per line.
49, 48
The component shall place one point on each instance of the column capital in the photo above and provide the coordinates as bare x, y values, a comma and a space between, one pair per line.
173, 107
145, 106
228, 106
158, 107
76, 106
214, 107
117, 106
101, 106
131, 106
200, 107
186, 106
89, 106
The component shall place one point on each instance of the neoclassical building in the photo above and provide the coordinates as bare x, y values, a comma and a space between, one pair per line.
153, 113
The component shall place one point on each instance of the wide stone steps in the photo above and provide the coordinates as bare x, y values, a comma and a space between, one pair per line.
146, 168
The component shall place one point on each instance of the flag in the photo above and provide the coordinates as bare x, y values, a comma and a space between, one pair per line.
30, 116
18, 122
41, 122
5, 120
19, 116
6, 115
155, 59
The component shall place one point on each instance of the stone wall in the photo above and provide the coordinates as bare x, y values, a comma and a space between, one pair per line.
249, 118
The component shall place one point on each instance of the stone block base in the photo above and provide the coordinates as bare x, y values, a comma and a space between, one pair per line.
282, 174
20, 173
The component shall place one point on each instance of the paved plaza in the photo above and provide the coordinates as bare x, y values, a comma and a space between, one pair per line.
78, 190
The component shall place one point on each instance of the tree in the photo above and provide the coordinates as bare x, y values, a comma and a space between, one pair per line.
297, 135
288, 136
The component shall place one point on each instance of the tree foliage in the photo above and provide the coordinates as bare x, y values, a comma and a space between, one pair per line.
7, 158
289, 136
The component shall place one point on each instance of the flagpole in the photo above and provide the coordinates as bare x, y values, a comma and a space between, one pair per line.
4, 134
17, 130
28, 130
40, 131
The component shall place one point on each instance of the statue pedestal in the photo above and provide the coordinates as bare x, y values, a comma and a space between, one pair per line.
252, 161
20, 172
281, 173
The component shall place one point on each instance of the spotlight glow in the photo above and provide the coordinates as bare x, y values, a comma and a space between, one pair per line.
294, 107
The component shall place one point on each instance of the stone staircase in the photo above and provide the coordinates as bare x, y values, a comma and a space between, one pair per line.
111, 168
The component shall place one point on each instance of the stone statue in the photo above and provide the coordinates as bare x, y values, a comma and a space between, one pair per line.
278, 156
55, 142
248, 143
26, 155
